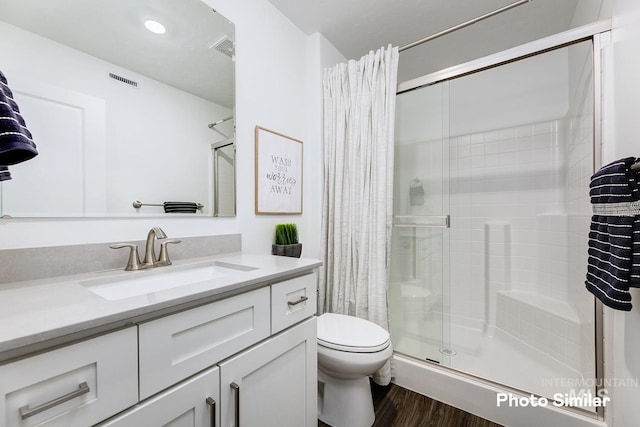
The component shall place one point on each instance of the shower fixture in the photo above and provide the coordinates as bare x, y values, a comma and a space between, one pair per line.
213, 125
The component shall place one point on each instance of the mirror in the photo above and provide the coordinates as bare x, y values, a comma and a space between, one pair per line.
119, 113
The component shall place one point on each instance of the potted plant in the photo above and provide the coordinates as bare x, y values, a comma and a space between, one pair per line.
286, 241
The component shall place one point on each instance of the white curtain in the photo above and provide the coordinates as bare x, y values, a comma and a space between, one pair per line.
359, 113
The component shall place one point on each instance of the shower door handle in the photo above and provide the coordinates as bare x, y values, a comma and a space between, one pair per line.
422, 221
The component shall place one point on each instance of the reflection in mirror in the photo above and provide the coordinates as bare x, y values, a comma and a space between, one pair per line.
224, 177
118, 113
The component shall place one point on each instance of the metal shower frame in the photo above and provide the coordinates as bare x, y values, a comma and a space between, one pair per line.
599, 34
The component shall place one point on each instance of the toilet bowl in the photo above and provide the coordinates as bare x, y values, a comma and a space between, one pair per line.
349, 350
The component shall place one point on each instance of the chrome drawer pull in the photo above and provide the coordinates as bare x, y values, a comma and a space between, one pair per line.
300, 301
25, 412
236, 396
212, 408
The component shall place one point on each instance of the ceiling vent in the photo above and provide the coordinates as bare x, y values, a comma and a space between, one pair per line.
225, 46
123, 80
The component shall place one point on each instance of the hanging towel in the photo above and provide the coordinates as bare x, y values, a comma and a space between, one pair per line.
16, 144
614, 238
180, 207
5, 175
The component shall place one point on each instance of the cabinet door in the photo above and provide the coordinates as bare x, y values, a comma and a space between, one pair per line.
192, 403
273, 384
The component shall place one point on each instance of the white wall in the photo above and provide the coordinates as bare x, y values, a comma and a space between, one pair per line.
277, 88
622, 139
323, 54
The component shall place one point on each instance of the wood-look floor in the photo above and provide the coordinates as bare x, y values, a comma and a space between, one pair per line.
398, 407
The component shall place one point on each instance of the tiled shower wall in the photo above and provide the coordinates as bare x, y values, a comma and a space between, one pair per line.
506, 179
528, 187
518, 236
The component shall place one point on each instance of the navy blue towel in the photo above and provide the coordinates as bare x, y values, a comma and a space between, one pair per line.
4, 173
180, 207
614, 239
16, 143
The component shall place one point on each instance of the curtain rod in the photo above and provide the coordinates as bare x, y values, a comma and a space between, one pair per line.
464, 24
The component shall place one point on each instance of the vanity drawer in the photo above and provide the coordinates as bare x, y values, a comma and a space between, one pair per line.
78, 385
292, 301
178, 346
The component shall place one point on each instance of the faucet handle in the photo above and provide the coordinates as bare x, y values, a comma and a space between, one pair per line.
134, 258
163, 259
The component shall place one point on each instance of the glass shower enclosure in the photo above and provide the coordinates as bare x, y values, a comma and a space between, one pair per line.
491, 220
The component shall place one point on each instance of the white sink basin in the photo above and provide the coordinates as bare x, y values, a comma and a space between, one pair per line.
142, 282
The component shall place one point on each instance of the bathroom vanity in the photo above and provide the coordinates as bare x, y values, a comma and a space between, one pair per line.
233, 344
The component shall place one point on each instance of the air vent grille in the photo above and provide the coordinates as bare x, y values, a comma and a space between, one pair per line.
123, 80
225, 46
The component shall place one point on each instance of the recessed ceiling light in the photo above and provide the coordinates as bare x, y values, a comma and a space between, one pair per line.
155, 27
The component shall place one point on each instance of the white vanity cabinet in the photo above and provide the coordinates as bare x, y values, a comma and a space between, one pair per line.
78, 385
250, 357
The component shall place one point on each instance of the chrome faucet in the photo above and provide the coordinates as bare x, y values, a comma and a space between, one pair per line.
150, 259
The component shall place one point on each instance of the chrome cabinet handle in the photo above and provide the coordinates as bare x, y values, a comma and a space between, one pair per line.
26, 412
236, 396
300, 301
212, 411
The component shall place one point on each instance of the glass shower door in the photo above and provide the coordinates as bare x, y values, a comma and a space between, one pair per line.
418, 290
505, 152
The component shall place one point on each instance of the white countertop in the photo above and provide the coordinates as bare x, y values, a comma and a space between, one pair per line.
60, 308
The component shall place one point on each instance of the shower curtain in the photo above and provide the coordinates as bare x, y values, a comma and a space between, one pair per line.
359, 112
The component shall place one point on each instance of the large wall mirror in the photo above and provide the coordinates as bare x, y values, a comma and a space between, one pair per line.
120, 113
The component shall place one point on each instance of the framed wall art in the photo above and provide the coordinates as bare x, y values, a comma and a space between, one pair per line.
278, 173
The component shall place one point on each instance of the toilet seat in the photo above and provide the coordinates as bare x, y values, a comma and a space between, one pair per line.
351, 334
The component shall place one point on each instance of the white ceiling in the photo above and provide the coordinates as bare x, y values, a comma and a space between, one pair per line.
356, 26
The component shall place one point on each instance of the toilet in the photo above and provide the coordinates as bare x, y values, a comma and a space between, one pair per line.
349, 350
